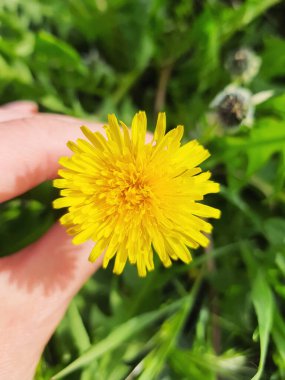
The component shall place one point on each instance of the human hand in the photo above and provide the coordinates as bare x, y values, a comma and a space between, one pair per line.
37, 283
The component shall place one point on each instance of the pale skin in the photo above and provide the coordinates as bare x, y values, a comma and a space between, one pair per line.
38, 282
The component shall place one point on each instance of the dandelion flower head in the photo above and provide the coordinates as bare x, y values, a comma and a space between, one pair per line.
134, 198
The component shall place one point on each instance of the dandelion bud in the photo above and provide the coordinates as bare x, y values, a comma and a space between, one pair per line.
243, 65
233, 107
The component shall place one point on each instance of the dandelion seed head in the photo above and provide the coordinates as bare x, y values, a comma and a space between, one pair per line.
243, 65
234, 107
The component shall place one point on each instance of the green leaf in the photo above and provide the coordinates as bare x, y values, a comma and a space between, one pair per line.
266, 138
263, 303
275, 231
167, 337
118, 336
58, 52
54, 103
234, 19
273, 61
200, 364
278, 335
77, 328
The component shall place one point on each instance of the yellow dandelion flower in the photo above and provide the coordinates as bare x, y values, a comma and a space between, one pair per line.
133, 198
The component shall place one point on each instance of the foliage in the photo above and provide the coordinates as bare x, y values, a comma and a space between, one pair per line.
223, 315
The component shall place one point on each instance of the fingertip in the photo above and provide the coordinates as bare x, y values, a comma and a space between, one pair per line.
30, 149
22, 106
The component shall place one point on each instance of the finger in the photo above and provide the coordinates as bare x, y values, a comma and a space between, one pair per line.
30, 148
17, 110
38, 282
36, 286
23, 107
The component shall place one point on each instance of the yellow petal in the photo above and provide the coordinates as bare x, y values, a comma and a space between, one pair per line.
83, 236
97, 250
115, 132
139, 130
160, 127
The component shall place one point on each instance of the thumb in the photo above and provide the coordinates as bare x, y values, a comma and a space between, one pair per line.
36, 285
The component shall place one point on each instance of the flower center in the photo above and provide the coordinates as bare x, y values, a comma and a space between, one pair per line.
134, 193
126, 190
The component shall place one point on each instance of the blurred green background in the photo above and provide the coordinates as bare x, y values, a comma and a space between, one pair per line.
221, 317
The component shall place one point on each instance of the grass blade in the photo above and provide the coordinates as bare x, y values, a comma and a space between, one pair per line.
263, 304
121, 334
77, 328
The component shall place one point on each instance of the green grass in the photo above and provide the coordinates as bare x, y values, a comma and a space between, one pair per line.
221, 317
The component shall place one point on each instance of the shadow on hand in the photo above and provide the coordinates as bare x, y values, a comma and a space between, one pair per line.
51, 264
48, 265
